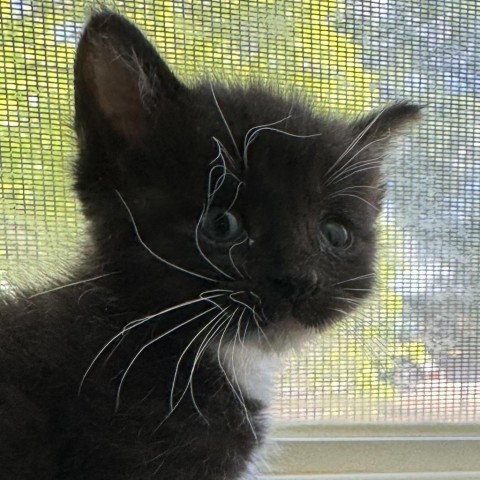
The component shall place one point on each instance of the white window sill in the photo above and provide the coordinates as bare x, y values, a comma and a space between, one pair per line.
308, 451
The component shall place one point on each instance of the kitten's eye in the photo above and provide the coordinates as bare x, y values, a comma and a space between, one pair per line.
222, 226
336, 234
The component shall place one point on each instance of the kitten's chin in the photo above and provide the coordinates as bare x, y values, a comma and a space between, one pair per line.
286, 335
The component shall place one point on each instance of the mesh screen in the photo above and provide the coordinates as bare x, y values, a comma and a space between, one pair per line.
413, 352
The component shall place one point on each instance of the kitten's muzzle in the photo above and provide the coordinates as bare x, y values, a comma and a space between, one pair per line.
296, 289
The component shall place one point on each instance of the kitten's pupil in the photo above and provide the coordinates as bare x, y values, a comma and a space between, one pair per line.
336, 234
222, 226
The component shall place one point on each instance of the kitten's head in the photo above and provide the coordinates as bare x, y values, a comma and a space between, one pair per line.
256, 198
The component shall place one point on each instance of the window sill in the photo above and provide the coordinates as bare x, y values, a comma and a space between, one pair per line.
326, 451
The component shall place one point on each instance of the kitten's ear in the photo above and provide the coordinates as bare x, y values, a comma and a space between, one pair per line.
121, 83
390, 120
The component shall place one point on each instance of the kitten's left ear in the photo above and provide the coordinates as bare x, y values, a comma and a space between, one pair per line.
390, 120
121, 83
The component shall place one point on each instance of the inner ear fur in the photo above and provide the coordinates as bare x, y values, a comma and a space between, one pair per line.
390, 120
120, 80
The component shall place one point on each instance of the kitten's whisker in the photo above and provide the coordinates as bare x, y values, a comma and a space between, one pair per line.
350, 160
339, 176
356, 172
361, 277
295, 135
260, 304
252, 131
218, 184
207, 339
240, 302
210, 300
199, 248
237, 151
192, 372
174, 407
355, 169
255, 315
355, 141
258, 130
262, 331
219, 154
255, 134
137, 323
351, 301
238, 394
359, 289
214, 290
73, 284
215, 320
226, 153
149, 250
357, 197
148, 344
358, 186
230, 250
237, 191
240, 318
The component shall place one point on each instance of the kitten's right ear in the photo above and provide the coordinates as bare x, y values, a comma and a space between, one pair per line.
122, 86
388, 121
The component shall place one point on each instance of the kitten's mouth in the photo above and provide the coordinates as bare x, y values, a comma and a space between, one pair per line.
310, 313
276, 312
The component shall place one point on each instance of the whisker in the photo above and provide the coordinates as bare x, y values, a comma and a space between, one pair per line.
252, 131
337, 177
367, 275
277, 130
359, 186
219, 154
255, 315
238, 394
215, 320
375, 166
237, 191
137, 323
357, 168
359, 289
148, 344
348, 300
226, 153
225, 121
350, 160
79, 282
254, 135
209, 336
355, 141
230, 250
262, 331
357, 197
149, 250
218, 184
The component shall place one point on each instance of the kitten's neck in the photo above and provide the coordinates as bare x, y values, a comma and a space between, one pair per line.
249, 367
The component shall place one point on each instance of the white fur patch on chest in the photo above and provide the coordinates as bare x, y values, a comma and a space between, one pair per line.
249, 368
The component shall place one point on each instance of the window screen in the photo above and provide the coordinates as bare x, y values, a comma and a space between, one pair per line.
412, 353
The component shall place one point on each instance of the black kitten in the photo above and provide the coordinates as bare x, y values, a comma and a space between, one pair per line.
227, 224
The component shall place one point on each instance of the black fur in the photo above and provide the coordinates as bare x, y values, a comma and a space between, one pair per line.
146, 146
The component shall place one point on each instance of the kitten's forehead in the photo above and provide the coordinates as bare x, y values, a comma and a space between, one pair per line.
273, 134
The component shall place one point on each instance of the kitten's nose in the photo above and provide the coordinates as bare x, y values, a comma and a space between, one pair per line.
297, 288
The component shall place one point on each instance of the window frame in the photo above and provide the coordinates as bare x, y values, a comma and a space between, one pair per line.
361, 451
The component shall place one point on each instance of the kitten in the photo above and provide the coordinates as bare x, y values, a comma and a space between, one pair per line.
227, 224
